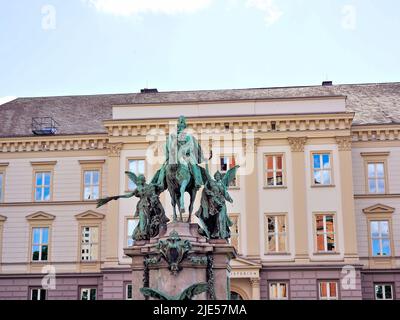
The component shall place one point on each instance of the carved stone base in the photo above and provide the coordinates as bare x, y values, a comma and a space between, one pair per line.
178, 258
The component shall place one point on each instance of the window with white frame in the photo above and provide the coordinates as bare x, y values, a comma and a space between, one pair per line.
91, 180
90, 244
130, 227
322, 169
376, 177
383, 292
137, 166
325, 232
278, 291
276, 233
128, 292
226, 163
88, 294
38, 294
274, 170
42, 186
380, 238
40, 244
328, 290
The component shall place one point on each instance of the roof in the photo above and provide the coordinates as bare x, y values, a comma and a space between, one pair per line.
372, 103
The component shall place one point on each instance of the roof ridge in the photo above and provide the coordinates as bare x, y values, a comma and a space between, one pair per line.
210, 90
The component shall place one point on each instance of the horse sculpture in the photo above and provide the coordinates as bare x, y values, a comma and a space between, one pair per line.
178, 179
180, 172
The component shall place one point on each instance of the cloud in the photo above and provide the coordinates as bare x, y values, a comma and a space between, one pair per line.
137, 7
269, 7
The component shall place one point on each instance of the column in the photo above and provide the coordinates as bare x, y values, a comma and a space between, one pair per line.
299, 198
251, 198
112, 216
348, 212
255, 288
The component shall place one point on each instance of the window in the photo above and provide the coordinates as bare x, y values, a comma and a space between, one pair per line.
91, 184
380, 237
90, 243
38, 294
276, 234
328, 290
278, 291
137, 166
234, 239
88, 294
130, 227
42, 186
274, 170
128, 292
376, 172
376, 177
1, 186
383, 292
40, 244
325, 233
322, 169
226, 163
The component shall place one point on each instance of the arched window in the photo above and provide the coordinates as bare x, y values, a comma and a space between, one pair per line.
236, 296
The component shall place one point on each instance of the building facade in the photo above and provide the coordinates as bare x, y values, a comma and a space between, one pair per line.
316, 207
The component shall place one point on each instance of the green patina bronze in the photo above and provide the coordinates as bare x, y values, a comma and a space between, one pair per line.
213, 217
149, 209
186, 294
174, 250
181, 173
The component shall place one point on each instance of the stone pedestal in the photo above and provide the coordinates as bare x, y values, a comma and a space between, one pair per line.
157, 264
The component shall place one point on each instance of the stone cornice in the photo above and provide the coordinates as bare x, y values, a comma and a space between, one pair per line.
383, 132
53, 143
259, 124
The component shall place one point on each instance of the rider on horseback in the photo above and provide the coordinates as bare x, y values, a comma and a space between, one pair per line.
182, 148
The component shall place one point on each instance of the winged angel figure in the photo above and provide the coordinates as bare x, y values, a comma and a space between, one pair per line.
187, 294
149, 209
213, 217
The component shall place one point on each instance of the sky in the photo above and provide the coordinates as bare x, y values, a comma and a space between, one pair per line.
74, 47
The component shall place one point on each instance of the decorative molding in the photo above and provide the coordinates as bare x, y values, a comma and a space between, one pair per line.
255, 282
48, 203
114, 149
257, 123
297, 144
375, 154
40, 216
89, 215
54, 143
43, 163
377, 196
383, 132
379, 208
344, 143
90, 162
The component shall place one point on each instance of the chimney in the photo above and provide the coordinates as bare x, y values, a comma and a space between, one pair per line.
146, 90
327, 83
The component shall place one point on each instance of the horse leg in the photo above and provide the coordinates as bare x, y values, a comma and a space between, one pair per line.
182, 197
173, 203
192, 199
